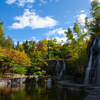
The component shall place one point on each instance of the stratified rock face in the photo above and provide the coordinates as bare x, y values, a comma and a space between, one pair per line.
92, 75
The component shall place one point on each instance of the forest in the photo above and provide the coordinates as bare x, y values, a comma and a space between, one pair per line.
30, 57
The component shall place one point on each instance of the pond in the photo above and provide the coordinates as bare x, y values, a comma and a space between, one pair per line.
39, 92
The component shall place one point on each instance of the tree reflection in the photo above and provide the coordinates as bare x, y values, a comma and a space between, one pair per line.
40, 92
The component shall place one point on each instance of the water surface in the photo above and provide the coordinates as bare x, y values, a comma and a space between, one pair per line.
39, 92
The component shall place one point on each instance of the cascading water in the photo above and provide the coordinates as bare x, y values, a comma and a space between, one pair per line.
63, 70
58, 67
89, 64
60, 70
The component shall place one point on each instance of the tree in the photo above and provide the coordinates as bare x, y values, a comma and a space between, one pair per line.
93, 23
19, 47
9, 42
26, 46
32, 45
51, 46
11, 59
76, 45
2, 37
69, 35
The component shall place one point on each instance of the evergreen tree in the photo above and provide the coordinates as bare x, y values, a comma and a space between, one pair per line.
76, 45
9, 42
2, 37
93, 23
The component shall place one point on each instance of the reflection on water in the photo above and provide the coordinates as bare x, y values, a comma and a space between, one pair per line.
39, 92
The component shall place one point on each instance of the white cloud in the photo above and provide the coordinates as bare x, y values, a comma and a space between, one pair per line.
82, 11
30, 6
15, 43
33, 38
10, 1
57, 34
58, 31
23, 2
71, 27
21, 43
31, 19
19, 2
94, 0
59, 40
81, 19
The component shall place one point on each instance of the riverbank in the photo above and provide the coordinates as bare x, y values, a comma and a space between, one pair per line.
26, 79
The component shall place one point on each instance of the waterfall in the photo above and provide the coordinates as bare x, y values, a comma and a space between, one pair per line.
63, 69
60, 70
89, 64
58, 67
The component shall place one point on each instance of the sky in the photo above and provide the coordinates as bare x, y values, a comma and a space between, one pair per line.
38, 19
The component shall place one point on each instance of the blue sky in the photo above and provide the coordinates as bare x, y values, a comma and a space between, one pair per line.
38, 19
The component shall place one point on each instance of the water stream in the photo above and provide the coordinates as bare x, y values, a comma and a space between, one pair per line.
86, 80
63, 70
60, 70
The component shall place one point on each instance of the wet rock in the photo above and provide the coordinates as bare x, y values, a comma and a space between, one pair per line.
94, 95
92, 75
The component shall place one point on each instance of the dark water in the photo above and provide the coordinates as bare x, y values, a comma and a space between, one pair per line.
39, 92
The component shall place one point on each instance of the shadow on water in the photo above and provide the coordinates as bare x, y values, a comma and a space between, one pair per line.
39, 92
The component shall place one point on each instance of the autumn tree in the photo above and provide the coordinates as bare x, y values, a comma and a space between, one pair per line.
12, 59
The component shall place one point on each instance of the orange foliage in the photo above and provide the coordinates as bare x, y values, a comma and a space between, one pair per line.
17, 57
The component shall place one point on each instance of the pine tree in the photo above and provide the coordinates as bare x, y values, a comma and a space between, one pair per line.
9, 42
93, 23
2, 37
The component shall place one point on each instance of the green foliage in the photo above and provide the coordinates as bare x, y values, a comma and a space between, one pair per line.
76, 46
20, 70
30, 57
2, 37
8, 43
39, 73
33, 68
93, 23
69, 34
